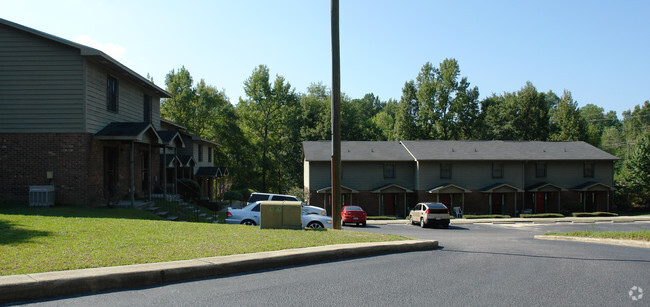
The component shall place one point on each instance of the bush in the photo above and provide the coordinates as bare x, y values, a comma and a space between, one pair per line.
296, 191
189, 188
381, 218
245, 193
541, 215
592, 214
493, 216
233, 195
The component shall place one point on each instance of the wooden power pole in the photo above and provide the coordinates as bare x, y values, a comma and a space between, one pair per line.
336, 118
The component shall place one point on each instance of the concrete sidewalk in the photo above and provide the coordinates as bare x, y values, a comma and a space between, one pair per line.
52, 284
575, 220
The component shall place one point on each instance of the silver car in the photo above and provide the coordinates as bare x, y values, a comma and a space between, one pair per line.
427, 214
250, 215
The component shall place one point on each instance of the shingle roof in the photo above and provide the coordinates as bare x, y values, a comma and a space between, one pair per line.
504, 150
436, 150
127, 131
357, 151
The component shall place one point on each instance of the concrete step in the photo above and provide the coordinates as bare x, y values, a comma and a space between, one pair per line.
152, 209
172, 218
162, 213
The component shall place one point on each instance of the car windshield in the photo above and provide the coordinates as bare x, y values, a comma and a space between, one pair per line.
353, 208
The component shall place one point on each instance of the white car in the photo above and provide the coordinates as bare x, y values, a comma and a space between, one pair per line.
250, 215
259, 196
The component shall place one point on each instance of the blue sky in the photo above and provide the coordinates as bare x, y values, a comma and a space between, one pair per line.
599, 50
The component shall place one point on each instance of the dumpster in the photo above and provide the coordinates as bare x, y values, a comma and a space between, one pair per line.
281, 215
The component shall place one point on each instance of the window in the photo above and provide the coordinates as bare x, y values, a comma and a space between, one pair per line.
389, 170
589, 170
200, 152
445, 170
540, 170
112, 94
147, 108
497, 170
209, 154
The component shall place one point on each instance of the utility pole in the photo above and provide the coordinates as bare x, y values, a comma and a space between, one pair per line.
336, 118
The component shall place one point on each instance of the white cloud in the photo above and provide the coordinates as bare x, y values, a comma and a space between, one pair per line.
115, 51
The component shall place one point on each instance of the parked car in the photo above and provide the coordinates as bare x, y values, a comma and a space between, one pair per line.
315, 220
250, 215
353, 214
427, 214
259, 196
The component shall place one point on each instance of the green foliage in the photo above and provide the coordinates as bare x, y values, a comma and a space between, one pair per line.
486, 216
296, 191
566, 120
643, 235
593, 214
521, 116
541, 215
189, 188
381, 218
32, 242
233, 195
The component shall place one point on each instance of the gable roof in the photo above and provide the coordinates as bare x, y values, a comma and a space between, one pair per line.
128, 131
504, 150
356, 151
97, 56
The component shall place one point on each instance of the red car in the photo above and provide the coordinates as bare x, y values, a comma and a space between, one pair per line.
353, 214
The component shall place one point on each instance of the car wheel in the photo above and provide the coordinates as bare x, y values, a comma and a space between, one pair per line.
422, 224
248, 222
315, 225
363, 224
410, 219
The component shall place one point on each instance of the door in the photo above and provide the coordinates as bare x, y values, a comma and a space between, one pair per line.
540, 202
497, 203
446, 199
389, 204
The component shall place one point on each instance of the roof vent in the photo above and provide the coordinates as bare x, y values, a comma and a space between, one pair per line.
452, 150
348, 149
372, 150
475, 150
565, 149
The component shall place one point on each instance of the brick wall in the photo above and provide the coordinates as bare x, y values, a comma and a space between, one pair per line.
26, 158
75, 159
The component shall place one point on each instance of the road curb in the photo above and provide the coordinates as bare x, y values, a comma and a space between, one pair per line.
632, 243
52, 284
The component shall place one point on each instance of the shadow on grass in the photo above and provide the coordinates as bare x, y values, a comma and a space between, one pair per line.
71, 211
11, 233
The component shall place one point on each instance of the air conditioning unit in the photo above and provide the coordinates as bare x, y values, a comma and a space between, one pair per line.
41, 195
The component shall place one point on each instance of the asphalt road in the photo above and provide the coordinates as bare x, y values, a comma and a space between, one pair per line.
476, 265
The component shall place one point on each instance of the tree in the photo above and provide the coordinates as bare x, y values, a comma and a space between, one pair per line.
315, 115
566, 118
262, 119
638, 167
407, 114
521, 116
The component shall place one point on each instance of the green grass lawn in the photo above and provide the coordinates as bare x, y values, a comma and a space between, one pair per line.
64, 238
643, 235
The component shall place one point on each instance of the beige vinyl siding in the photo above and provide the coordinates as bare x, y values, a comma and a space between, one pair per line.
306, 178
472, 175
41, 84
568, 174
130, 102
370, 175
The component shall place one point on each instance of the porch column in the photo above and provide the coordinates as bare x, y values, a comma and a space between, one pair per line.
150, 179
463, 203
559, 194
132, 173
175, 176
164, 174
584, 201
607, 201
515, 204
490, 202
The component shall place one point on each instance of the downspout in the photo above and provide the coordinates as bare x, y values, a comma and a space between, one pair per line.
164, 175
417, 172
149, 184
